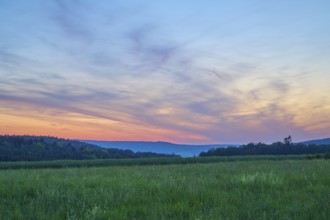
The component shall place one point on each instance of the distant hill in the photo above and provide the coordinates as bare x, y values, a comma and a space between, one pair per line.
158, 147
317, 141
37, 148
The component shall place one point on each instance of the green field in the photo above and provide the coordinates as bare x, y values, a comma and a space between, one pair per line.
256, 189
144, 161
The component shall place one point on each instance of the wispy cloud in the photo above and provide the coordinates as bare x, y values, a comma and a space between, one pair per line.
69, 16
134, 70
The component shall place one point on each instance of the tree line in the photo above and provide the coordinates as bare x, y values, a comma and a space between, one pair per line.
38, 148
277, 148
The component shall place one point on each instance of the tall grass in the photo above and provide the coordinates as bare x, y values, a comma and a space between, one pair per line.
140, 161
288, 189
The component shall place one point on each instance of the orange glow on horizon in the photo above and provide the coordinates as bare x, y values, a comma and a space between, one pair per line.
90, 129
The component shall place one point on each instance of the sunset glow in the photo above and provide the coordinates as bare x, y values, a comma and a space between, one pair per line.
178, 71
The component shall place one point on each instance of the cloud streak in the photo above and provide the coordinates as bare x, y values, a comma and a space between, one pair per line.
92, 70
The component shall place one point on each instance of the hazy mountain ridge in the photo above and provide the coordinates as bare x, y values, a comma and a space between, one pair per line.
184, 150
317, 141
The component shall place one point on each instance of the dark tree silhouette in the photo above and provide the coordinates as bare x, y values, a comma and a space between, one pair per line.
287, 140
35, 148
277, 148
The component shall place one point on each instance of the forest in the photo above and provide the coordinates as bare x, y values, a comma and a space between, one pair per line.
38, 148
287, 147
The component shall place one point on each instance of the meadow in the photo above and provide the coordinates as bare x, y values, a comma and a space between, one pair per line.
240, 189
144, 161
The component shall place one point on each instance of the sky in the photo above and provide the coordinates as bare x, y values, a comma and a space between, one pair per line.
187, 71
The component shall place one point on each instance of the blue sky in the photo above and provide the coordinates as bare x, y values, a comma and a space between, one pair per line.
182, 71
